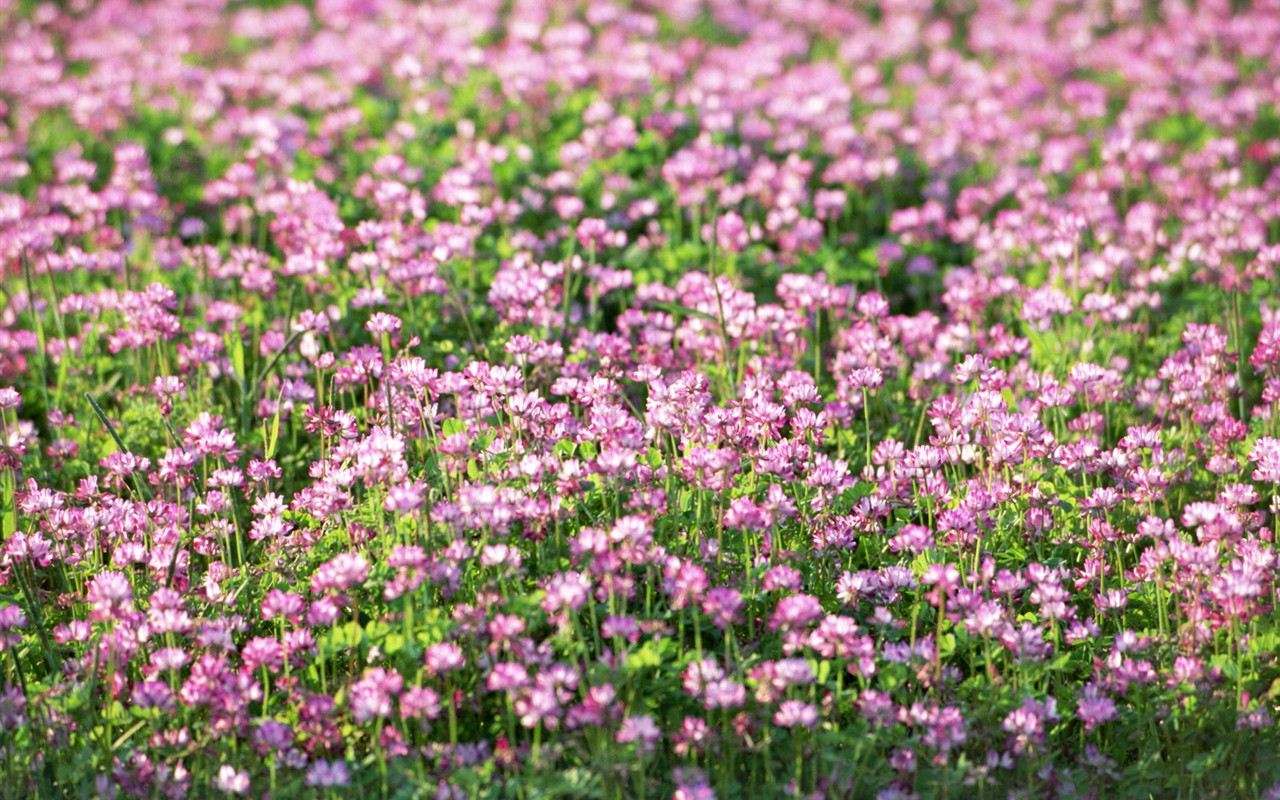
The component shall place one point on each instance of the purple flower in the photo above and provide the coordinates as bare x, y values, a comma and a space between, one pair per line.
326, 774
12, 619
722, 605
1094, 708
153, 694
1027, 724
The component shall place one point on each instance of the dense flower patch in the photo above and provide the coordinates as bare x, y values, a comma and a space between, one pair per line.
727, 398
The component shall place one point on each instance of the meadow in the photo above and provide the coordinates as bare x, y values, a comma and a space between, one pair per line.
672, 398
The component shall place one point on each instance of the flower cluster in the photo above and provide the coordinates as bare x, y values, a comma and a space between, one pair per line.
751, 397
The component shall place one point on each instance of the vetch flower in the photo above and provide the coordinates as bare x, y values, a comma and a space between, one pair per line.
326, 774
640, 730
229, 780
794, 713
110, 596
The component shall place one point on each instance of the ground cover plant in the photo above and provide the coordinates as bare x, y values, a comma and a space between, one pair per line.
736, 398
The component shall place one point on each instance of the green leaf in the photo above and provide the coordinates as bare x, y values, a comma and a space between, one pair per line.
344, 637
647, 656
453, 426
274, 435
235, 348
654, 457
822, 670
892, 676
376, 631
946, 645
9, 516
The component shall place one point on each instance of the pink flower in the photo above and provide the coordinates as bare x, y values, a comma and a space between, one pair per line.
282, 604
383, 323
507, 676
1266, 455
403, 498
625, 627
722, 605
110, 595
782, 577
641, 730
230, 781
371, 696
419, 703
795, 611
796, 712
444, 657
341, 572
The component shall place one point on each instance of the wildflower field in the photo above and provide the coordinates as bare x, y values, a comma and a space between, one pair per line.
671, 398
